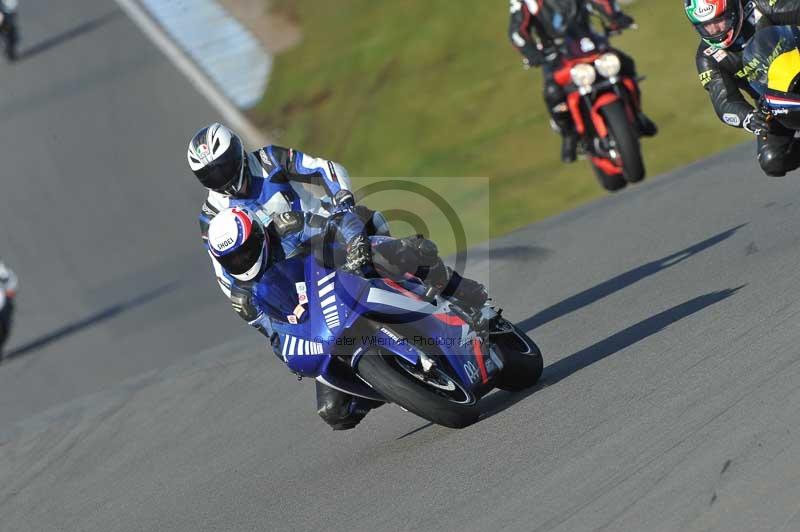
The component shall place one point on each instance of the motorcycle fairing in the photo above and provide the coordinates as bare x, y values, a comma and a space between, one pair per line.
336, 300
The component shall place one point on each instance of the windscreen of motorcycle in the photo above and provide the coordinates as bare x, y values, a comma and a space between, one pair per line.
771, 60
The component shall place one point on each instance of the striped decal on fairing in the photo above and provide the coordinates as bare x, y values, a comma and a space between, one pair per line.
294, 346
329, 307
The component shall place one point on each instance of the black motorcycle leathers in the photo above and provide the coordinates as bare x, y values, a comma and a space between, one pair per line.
541, 30
724, 76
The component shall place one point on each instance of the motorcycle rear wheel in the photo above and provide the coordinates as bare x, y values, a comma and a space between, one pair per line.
443, 401
626, 141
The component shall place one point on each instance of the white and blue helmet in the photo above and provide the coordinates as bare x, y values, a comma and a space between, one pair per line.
237, 240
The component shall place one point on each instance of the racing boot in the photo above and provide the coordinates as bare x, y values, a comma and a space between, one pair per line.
569, 146
450, 284
340, 410
561, 122
647, 127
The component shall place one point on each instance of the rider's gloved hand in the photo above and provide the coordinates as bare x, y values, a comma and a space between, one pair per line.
532, 62
359, 254
533, 58
757, 123
620, 21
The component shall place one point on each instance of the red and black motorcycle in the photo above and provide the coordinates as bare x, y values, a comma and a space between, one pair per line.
603, 103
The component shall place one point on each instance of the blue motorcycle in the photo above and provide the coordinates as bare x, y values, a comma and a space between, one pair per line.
390, 341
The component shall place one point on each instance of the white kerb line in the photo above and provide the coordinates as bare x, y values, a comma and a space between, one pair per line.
230, 114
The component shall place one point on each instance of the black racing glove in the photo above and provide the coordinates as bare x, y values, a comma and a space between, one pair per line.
757, 123
620, 21
242, 303
532, 61
359, 254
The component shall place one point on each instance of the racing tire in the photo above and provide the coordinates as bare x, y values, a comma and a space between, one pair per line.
5, 324
522, 361
610, 182
386, 374
626, 140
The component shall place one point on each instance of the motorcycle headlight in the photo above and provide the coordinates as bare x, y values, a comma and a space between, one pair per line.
583, 75
608, 65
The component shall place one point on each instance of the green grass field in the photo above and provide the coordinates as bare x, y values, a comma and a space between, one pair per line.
407, 89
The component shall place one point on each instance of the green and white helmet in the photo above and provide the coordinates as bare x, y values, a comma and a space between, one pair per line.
717, 21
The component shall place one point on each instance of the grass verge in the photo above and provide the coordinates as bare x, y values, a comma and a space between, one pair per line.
412, 88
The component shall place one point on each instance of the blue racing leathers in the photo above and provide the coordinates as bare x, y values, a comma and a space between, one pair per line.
281, 180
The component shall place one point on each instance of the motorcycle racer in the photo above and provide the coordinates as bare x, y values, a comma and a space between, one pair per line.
268, 181
8, 27
8, 290
272, 181
537, 29
726, 27
253, 254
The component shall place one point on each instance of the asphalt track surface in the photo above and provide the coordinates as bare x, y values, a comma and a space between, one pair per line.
98, 211
667, 315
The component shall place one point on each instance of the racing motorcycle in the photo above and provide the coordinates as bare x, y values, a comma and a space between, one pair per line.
390, 341
603, 104
8, 28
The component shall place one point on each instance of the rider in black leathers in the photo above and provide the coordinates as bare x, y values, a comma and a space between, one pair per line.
536, 29
8, 28
721, 74
8, 289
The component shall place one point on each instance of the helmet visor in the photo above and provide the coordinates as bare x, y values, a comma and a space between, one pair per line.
245, 256
717, 29
225, 174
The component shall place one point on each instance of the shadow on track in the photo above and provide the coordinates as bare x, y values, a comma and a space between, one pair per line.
93, 319
620, 282
575, 362
414, 431
518, 252
68, 35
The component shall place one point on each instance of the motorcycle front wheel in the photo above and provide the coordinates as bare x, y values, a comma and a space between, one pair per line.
626, 141
610, 182
434, 395
522, 360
